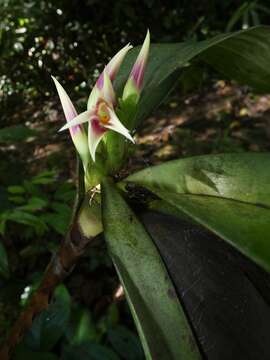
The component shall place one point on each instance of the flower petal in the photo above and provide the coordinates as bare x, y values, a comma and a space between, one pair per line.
77, 131
95, 134
93, 98
135, 81
112, 68
115, 63
68, 107
80, 119
138, 69
107, 92
116, 125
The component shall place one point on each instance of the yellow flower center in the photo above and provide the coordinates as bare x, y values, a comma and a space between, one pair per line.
103, 112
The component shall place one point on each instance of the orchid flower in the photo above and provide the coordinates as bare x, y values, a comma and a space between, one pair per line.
100, 114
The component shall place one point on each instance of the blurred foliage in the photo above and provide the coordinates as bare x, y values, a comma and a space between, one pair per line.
72, 40
73, 328
249, 14
30, 205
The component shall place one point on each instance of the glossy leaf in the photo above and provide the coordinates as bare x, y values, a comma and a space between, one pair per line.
224, 294
243, 56
159, 317
50, 325
229, 194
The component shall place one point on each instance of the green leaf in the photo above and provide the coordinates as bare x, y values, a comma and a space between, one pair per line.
81, 328
244, 226
109, 320
34, 204
61, 208
4, 267
229, 194
243, 56
236, 16
50, 325
89, 351
25, 218
16, 199
44, 178
166, 208
65, 192
159, 317
57, 221
16, 189
16, 133
125, 343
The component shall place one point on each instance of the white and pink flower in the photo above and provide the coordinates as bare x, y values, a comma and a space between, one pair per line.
100, 114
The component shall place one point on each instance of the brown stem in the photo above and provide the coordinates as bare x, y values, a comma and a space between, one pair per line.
59, 267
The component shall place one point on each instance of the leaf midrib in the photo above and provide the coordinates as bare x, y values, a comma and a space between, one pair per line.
263, 206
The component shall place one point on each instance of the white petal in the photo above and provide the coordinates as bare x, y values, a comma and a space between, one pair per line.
116, 125
93, 98
77, 133
94, 138
135, 81
143, 55
68, 107
113, 66
107, 91
80, 119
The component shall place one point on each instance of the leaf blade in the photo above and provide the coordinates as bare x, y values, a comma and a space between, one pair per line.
249, 65
228, 193
154, 304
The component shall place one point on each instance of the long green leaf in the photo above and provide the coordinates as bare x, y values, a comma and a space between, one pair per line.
244, 177
243, 56
238, 13
229, 194
159, 317
243, 225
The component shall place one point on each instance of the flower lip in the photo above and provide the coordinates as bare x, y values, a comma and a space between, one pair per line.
97, 127
102, 112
